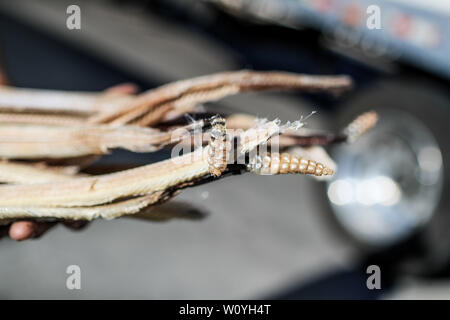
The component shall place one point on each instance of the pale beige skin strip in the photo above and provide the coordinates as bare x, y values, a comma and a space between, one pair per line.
186, 102
239, 81
52, 107
52, 101
143, 208
35, 142
41, 119
20, 99
19, 173
48, 107
109, 211
106, 188
97, 190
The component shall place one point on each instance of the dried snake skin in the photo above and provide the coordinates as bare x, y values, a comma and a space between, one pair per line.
54, 199
20, 173
20, 100
36, 142
214, 87
103, 189
108, 211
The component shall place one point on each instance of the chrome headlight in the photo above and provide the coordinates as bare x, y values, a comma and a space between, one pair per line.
389, 182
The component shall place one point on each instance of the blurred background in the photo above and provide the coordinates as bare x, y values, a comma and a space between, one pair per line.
285, 237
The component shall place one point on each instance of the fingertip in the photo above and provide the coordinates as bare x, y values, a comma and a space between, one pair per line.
124, 88
22, 230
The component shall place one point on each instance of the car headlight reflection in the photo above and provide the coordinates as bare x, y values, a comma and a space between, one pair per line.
380, 190
389, 182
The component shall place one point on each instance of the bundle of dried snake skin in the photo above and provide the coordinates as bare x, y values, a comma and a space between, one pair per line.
38, 127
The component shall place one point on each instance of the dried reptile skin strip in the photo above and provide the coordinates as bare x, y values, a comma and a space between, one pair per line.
109, 211
143, 207
244, 80
20, 173
19, 100
121, 108
64, 102
103, 189
151, 118
185, 103
36, 142
41, 119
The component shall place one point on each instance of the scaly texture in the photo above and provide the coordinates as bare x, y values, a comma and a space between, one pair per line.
361, 125
103, 189
109, 211
184, 104
20, 173
270, 164
41, 119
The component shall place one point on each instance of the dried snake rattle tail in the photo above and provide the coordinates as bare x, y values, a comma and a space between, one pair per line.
270, 164
218, 147
360, 125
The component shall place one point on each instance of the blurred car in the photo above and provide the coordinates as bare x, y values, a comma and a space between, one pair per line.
390, 187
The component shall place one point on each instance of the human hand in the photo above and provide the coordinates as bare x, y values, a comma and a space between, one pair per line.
23, 230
